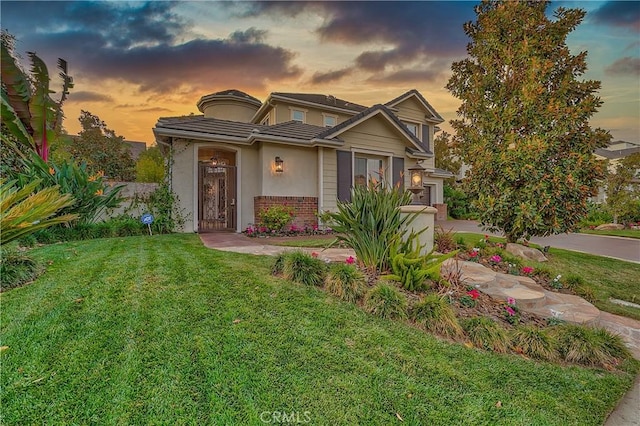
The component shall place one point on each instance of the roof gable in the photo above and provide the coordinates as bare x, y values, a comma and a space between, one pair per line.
414, 94
375, 111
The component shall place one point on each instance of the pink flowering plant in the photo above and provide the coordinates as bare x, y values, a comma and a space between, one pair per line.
495, 259
527, 270
511, 311
474, 254
350, 260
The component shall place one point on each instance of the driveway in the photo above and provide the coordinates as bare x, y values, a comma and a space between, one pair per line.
617, 247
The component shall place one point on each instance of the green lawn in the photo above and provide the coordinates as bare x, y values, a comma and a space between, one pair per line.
609, 278
160, 330
629, 233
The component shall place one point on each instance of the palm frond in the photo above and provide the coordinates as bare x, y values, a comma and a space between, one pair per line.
17, 88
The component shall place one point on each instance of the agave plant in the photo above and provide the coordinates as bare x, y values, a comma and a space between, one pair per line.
25, 211
29, 114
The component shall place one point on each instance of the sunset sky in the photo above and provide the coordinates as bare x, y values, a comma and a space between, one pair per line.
134, 62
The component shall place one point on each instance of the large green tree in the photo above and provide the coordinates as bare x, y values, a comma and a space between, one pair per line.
622, 187
101, 149
523, 125
445, 154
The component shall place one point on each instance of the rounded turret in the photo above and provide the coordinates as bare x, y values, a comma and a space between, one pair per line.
232, 105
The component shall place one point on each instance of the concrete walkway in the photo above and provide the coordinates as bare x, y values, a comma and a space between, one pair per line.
628, 410
616, 247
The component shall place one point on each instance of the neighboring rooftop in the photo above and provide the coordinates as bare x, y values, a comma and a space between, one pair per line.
619, 153
136, 148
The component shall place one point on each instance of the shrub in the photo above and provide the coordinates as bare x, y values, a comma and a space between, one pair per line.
302, 268
533, 342
410, 268
345, 281
276, 217
435, 314
386, 301
91, 194
486, 333
444, 241
589, 346
371, 222
16, 269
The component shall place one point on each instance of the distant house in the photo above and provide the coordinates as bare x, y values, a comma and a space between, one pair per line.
612, 154
304, 150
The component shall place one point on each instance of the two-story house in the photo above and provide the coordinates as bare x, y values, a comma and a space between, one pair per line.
303, 150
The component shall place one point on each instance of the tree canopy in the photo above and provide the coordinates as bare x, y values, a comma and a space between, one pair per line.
101, 149
523, 126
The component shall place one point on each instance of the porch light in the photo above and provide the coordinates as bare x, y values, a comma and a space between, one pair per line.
279, 165
416, 174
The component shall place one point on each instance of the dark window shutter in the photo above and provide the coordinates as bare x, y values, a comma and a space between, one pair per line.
344, 175
425, 137
398, 172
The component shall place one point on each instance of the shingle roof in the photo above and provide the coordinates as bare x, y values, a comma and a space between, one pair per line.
293, 129
212, 126
419, 96
326, 100
620, 153
216, 127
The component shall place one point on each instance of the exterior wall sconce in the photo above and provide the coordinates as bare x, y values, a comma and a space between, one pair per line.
279, 165
416, 173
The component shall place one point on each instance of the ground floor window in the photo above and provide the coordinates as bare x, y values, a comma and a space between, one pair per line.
367, 168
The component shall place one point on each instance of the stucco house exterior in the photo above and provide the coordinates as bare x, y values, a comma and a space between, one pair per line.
303, 150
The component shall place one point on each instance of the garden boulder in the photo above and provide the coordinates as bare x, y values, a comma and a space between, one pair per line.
609, 226
526, 252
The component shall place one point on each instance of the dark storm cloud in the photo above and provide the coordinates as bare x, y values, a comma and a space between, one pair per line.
328, 77
414, 30
141, 43
625, 66
115, 24
619, 14
84, 96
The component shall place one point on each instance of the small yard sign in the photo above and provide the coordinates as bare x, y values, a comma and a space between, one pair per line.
147, 219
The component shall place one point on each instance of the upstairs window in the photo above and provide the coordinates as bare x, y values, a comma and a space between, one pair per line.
298, 115
330, 120
414, 129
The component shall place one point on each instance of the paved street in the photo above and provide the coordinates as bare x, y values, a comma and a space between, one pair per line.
617, 247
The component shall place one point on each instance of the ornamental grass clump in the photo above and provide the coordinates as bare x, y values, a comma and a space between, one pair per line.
386, 301
345, 281
16, 268
589, 346
302, 268
533, 342
436, 315
485, 333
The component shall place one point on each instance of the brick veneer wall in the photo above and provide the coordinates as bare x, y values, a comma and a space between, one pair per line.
306, 208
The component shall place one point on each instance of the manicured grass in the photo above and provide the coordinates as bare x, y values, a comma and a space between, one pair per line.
609, 278
305, 242
160, 330
629, 233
